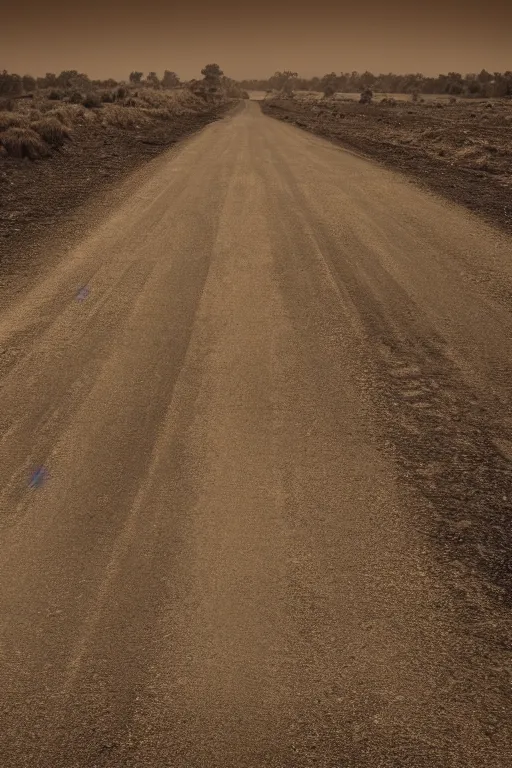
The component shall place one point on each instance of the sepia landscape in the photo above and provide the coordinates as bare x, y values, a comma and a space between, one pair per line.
256, 386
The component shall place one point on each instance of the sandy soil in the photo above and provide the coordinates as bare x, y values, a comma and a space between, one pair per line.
461, 150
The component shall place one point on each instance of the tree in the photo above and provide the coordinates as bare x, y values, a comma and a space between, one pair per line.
152, 79
366, 96
170, 79
484, 76
136, 77
29, 83
328, 84
279, 80
366, 80
212, 72
10, 85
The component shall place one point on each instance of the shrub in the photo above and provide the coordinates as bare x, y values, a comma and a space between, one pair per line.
23, 142
51, 130
121, 93
64, 115
55, 95
124, 117
107, 97
92, 101
12, 120
75, 97
132, 101
161, 114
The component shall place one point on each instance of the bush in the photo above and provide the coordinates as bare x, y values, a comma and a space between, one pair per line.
75, 97
366, 96
23, 142
55, 95
11, 120
133, 101
121, 93
51, 130
64, 115
329, 90
92, 101
107, 97
124, 117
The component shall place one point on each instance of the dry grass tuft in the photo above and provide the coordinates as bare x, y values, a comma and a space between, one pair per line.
23, 142
154, 98
123, 117
133, 101
51, 130
66, 115
160, 114
12, 120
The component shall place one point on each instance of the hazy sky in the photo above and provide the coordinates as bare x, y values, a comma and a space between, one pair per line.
254, 39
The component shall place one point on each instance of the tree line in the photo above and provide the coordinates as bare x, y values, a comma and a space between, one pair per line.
16, 85
13, 85
482, 84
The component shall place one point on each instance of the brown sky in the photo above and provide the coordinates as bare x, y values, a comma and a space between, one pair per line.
253, 40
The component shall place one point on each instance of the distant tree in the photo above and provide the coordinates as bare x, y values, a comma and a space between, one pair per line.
10, 85
328, 84
472, 86
212, 72
29, 83
67, 77
152, 79
70, 78
502, 85
484, 76
170, 79
283, 81
136, 77
366, 80
366, 96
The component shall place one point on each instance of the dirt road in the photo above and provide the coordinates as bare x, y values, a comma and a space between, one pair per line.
273, 526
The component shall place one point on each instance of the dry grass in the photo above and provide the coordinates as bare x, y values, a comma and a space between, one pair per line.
23, 142
133, 101
51, 130
123, 117
30, 128
12, 120
66, 115
155, 99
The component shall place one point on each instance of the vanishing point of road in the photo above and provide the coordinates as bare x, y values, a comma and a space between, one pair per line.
273, 529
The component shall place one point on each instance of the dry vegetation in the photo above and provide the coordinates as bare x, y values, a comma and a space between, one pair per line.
461, 148
60, 145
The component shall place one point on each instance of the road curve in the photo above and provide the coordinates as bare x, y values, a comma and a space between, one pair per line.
273, 528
